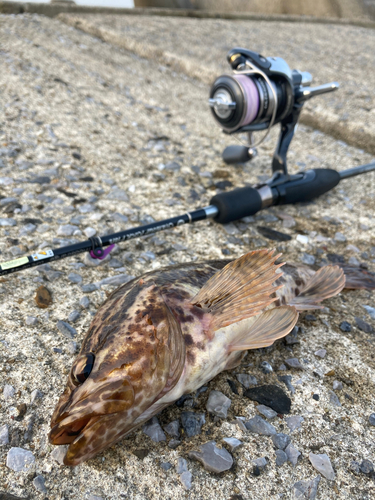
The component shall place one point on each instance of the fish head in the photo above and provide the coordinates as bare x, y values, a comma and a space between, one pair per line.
132, 355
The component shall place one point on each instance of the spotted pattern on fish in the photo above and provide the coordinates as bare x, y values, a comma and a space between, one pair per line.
153, 341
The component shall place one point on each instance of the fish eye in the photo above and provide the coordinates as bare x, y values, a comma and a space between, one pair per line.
82, 368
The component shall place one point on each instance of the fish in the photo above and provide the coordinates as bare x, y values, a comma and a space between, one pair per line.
172, 330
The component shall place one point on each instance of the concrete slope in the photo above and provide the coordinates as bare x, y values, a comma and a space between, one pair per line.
198, 48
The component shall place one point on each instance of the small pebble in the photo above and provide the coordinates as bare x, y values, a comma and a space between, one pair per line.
370, 310
362, 325
35, 395
322, 464
316, 397
366, 467
153, 430
74, 316
302, 239
39, 485
337, 386
287, 379
174, 443
166, 465
66, 230
173, 428
267, 411
233, 443
43, 297
58, 454
246, 380
19, 459
181, 465
84, 302
192, 422
185, 479
306, 490
8, 391
214, 459
294, 422
333, 399
345, 326
292, 454
371, 419
218, 404
340, 237
31, 321
4, 435
270, 395
260, 462
354, 467
321, 353
89, 232
294, 363
266, 367
281, 457
68, 331
75, 278
308, 259
260, 426
281, 441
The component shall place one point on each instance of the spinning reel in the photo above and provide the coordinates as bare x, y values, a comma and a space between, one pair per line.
261, 93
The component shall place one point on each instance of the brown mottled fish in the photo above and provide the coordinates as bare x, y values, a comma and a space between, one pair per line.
171, 331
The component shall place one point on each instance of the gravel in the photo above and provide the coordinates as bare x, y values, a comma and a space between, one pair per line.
192, 423
260, 426
19, 459
39, 485
371, 419
306, 490
322, 464
292, 453
233, 443
281, 457
214, 459
4, 435
270, 395
246, 380
153, 430
294, 422
8, 391
281, 440
67, 330
267, 412
173, 429
218, 404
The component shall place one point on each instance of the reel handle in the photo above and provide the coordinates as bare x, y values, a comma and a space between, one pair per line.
238, 154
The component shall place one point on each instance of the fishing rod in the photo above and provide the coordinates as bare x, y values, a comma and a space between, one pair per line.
224, 208
261, 93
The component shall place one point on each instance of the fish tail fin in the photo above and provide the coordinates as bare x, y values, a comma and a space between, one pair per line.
241, 289
357, 278
327, 282
264, 329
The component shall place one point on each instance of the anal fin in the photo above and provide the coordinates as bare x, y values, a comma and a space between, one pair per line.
327, 282
264, 329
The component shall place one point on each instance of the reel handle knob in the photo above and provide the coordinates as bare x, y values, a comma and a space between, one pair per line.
238, 154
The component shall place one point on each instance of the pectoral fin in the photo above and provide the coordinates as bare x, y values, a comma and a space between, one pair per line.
241, 289
264, 329
327, 282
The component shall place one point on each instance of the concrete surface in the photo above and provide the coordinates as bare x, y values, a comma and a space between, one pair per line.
319, 8
199, 48
80, 120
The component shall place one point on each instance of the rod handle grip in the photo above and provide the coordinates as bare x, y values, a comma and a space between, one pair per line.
234, 205
313, 184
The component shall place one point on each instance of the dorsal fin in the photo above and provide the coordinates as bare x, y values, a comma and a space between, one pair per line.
241, 289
